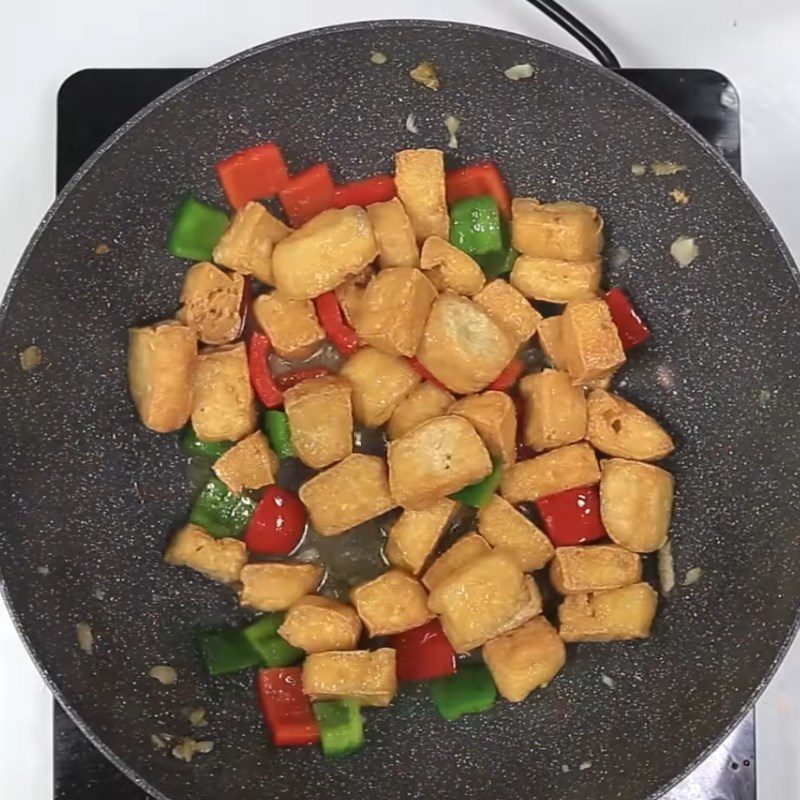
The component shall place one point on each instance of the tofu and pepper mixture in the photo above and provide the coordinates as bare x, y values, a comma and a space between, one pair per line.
431, 287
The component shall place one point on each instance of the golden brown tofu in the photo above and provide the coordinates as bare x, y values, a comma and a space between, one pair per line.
576, 570
318, 624
530, 606
292, 325
419, 177
350, 293
320, 413
611, 615
391, 603
424, 402
249, 464
469, 547
565, 468
555, 410
462, 346
435, 459
565, 231
345, 495
224, 407
317, 257
618, 428
552, 280
451, 268
590, 342
211, 303
636, 504
271, 586
397, 244
247, 245
525, 659
219, 559
413, 538
367, 676
503, 526
394, 309
549, 332
479, 598
380, 381
509, 309
493, 415
161, 367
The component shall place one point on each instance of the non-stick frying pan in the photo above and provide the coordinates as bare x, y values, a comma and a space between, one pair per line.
88, 494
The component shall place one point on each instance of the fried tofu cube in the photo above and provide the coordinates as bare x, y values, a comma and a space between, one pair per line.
424, 402
552, 472
397, 244
367, 676
509, 309
589, 339
451, 268
419, 177
345, 495
224, 407
462, 346
564, 231
525, 659
350, 293
469, 547
493, 415
503, 526
275, 587
413, 538
636, 504
435, 459
618, 428
391, 603
211, 303
394, 309
555, 410
610, 615
380, 381
549, 333
249, 464
575, 570
317, 257
219, 559
479, 598
553, 280
318, 624
247, 245
161, 367
530, 607
320, 413
292, 325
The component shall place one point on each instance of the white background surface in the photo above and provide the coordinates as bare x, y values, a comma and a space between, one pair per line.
754, 43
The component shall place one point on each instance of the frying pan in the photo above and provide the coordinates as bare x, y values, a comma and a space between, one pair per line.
91, 496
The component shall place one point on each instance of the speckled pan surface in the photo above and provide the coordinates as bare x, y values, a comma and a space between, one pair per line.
89, 495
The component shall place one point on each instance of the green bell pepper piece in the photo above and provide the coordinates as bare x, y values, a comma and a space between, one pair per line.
470, 691
225, 650
475, 226
498, 263
341, 729
196, 229
479, 494
273, 650
220, 512
275, 425
193, 446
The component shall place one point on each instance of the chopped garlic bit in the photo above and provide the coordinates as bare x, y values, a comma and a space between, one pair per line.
684, 250
30, 358
638, 170
85, 637
764, 396
197, 716
425, 73
666, 568
608, 681
585, 765
43, 570
692, 576
186, 749
376, 57
519, 71
666, 167
164, 674
101, 249
619, 258
411, 124
452, 124
99, 594
157, 741
565, 768
679, 196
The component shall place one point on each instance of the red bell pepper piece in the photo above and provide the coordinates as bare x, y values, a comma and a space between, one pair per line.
252, 174
342, 336
632, 330
508, 377
258, 348
288, 379
424, 373
306, 194
277, 524
572, 516
286, 709
424, 653
362, 193
476, 180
